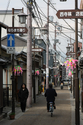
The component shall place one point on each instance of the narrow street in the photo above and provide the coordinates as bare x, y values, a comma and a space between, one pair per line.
38, 115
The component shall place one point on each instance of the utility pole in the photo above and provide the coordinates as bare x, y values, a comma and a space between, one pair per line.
34, 77
72, 52
55, 54
71, 76
82, 76
13, 84
47, 47
29, 53
77, 114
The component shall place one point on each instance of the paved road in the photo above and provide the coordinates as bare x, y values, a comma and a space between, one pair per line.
38, 115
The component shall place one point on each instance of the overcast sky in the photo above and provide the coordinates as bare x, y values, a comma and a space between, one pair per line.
69, 4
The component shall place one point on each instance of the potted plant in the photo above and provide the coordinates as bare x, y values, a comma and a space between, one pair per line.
12, 115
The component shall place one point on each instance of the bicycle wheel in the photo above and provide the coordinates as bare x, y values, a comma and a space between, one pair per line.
51, 114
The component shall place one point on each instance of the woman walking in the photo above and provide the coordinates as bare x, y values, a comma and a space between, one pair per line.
23, 95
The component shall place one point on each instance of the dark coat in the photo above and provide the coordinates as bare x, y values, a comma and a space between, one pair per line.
50, 94
23, 94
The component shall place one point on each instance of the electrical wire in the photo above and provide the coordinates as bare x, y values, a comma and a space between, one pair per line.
57, 45
78, 22
65, 20
59, 25
38, 12
35, 19
46, 17
53, 24
6, 11
23, 2
56, 11
37, 15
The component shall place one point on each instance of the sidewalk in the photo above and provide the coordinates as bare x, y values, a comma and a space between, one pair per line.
18, 113
73, 111
38, 115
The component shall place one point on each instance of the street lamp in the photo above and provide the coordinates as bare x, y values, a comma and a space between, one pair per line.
13, 82
22, 18
68, 48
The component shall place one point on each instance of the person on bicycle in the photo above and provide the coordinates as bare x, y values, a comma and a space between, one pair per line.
50, 96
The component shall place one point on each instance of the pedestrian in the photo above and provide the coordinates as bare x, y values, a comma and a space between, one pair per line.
61, 84
23, 95
42, 88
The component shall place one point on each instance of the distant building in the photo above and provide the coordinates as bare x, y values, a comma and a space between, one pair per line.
81, 7
63, 72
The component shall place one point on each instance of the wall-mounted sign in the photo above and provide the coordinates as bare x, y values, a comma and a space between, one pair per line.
19, 30
68, 14
37, 49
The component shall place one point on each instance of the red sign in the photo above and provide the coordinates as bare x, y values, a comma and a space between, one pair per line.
68, 14
19, 30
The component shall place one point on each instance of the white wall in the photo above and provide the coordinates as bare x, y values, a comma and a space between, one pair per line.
8, 21
4, 78
19, 49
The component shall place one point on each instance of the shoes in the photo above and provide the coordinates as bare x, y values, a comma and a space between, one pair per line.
54, 107
23, 110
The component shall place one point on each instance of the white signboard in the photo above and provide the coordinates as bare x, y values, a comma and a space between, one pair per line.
47, 72
37, 50
10, 50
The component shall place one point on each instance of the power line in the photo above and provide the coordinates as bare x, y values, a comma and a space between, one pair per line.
38, 12
63, 19
61, 32
23, 2
40, 20
50, 43
57, 46
74, 21
6, 11
37, 15
53, 24
50, 34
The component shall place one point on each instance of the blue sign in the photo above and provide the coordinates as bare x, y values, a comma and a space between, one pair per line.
10, 40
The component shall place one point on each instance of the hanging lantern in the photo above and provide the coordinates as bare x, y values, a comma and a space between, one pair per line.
17, 70
36, 72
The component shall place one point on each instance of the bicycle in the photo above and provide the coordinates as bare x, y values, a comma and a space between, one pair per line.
51, 108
